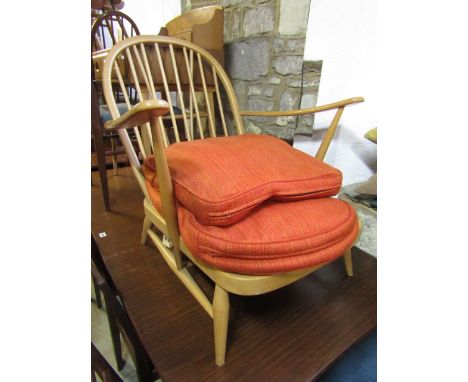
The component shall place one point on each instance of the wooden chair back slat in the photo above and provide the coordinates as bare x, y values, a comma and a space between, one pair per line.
146, 131
192, 92
209, 104
110, 28
123, 89
149, 86
148, 71
168, 94
190, 96
179, 89
220, 104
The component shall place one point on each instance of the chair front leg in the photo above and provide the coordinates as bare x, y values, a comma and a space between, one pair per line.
348, 262
220, 323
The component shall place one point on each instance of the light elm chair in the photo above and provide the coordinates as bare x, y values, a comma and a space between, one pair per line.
165, 64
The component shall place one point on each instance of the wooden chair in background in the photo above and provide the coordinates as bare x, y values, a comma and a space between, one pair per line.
107, 29
152, 60
203, 27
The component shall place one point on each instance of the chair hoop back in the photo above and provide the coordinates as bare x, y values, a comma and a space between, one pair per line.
181, 73
111, 27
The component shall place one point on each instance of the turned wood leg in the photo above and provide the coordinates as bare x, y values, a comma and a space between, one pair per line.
115, 164
220, 323
115, 336
96, 129
97, 293
146, 227
348, 261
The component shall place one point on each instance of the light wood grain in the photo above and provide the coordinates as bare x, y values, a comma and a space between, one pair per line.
220, 323
312, 110
151, 111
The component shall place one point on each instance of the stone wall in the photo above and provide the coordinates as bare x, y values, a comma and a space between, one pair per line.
264, 48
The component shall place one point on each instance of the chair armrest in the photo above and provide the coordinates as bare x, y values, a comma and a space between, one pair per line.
138, 115
311, 110
340, 105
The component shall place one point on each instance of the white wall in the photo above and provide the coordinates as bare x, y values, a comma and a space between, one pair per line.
151, 15
342, 33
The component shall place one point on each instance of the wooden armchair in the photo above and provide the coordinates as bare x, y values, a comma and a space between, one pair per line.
165, 220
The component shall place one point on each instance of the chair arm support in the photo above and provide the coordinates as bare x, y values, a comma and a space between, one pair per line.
311, 110
138, 115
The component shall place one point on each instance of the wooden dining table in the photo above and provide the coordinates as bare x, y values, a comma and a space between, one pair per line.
292, 334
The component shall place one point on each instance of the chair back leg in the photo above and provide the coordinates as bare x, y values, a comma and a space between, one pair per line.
348, 262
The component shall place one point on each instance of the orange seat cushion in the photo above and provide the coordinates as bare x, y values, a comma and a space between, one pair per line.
275, 237
221, 179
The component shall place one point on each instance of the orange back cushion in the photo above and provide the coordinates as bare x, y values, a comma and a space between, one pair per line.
221, 179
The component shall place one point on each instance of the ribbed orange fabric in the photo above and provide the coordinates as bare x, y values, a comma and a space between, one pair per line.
275, 237
221, 179
153, 192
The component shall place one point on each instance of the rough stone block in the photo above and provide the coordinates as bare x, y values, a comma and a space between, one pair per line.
308, 100
230, 3
282, 121
289, 100
313, 66
304, 129
295, 45
288, 64
293, 17
306, 120
260, 104
273, 80
303, 83
194, 4
268, 91
248, 60
278, 45
253, 128
280, 132
260, 19
227, 22
255, 90
230, 124
233, 21
240, 90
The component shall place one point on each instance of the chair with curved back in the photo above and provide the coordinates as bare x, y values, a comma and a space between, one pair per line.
107, 29
264, 248
110, 28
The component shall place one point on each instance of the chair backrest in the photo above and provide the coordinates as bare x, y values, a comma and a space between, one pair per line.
176, 70
110, 28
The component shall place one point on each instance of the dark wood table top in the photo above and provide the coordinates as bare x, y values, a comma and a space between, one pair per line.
292, 334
